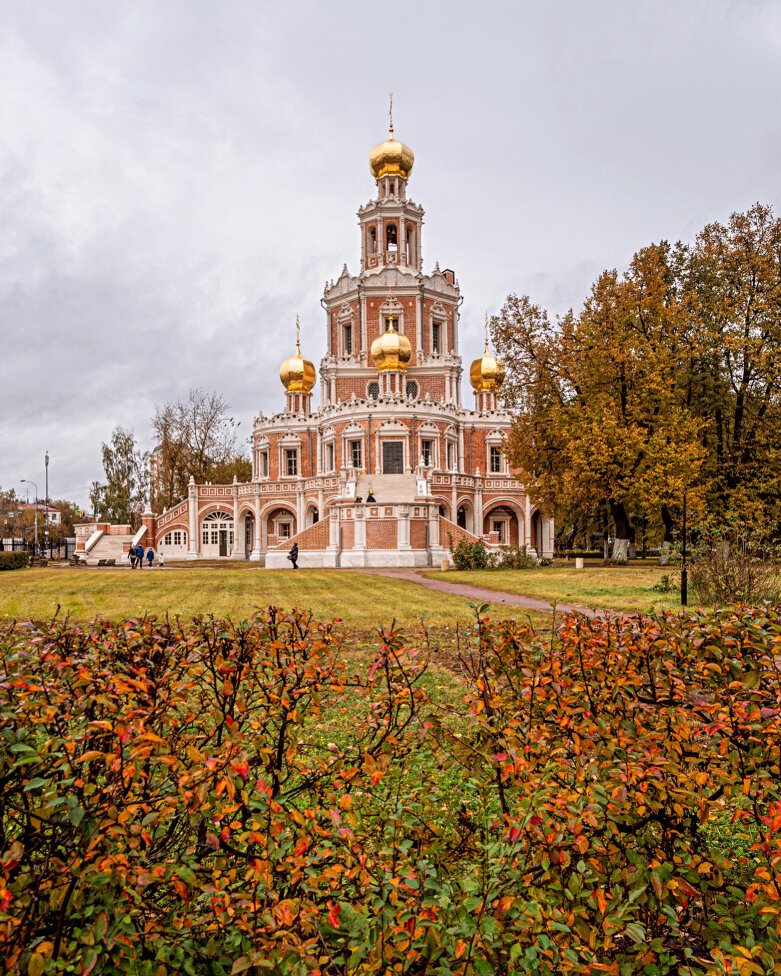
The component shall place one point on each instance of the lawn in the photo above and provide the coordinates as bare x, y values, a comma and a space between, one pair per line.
364, 602
610, 587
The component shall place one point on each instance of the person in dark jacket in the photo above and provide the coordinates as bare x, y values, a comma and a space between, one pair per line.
293, 555
131, 555
150, 556
140, 555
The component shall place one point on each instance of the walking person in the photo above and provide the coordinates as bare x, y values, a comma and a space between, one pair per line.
150, 556
131, 555
140, 555
160, 561
293, 555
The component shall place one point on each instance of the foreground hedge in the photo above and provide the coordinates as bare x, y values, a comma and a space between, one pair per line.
609, 800
14, 560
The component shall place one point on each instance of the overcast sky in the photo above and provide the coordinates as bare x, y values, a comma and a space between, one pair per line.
179, 179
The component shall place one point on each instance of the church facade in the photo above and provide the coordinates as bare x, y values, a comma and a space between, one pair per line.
392, 469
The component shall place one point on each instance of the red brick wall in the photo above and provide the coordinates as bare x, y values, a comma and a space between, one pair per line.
315, 537
348, 535
417, 533
381, 534
452, 534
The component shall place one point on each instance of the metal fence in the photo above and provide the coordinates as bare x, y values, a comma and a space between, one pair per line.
47, 548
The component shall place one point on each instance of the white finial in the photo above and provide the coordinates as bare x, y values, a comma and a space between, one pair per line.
390, 117
298, 336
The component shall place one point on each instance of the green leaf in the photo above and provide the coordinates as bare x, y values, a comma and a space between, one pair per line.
100, 927
242, 963
76, 815
483, 967
636, 932
88, 962
35, 784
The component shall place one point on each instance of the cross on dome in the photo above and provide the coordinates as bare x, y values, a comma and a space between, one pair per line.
391, 158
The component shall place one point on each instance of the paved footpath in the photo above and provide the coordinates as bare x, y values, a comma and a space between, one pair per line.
469, 592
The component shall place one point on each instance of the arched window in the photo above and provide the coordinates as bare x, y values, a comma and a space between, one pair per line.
372, 240
373, 390
391, 239
217, 534
412, 390
178, 537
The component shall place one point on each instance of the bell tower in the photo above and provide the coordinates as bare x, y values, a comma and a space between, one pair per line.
420, 317
391, 224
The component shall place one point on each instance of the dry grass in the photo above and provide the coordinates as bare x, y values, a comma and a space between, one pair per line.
608, 587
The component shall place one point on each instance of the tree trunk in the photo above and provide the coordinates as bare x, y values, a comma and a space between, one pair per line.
667, 520
623, 532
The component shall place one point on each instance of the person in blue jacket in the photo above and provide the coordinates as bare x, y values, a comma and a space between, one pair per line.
140, 555
150, 556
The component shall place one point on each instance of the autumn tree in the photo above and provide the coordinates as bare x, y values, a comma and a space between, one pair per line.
733, 279
121, 498
195, 438
669, 377
600, 418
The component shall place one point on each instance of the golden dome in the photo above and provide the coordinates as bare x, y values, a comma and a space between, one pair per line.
391, 350
391, 158
298, 375
487, 372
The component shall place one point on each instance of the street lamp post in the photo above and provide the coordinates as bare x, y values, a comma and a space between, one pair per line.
29, 481
684, 572
46, 519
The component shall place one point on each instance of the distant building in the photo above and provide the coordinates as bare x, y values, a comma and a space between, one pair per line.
51, 516
391, 469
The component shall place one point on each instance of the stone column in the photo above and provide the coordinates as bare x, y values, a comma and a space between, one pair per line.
299, 507
419, 324
403, 530
433, 527
478, 503
192, 512
257, 542
358, 556
238, 537
528, 526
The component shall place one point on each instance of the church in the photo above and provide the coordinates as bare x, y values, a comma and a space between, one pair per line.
391, 469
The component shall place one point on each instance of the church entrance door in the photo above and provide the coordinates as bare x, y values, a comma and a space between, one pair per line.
393, 457
223, 542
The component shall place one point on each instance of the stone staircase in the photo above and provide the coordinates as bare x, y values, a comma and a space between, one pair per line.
387, 487
109, 547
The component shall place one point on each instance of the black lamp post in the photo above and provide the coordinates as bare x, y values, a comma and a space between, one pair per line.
684, 573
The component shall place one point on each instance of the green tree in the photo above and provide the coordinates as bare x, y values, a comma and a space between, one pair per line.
121, 498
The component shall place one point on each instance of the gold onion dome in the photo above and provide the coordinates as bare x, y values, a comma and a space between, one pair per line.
487, 372
298, 375
391, 350
391, 158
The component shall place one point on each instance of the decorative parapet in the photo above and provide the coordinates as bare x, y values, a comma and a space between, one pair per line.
171, 514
